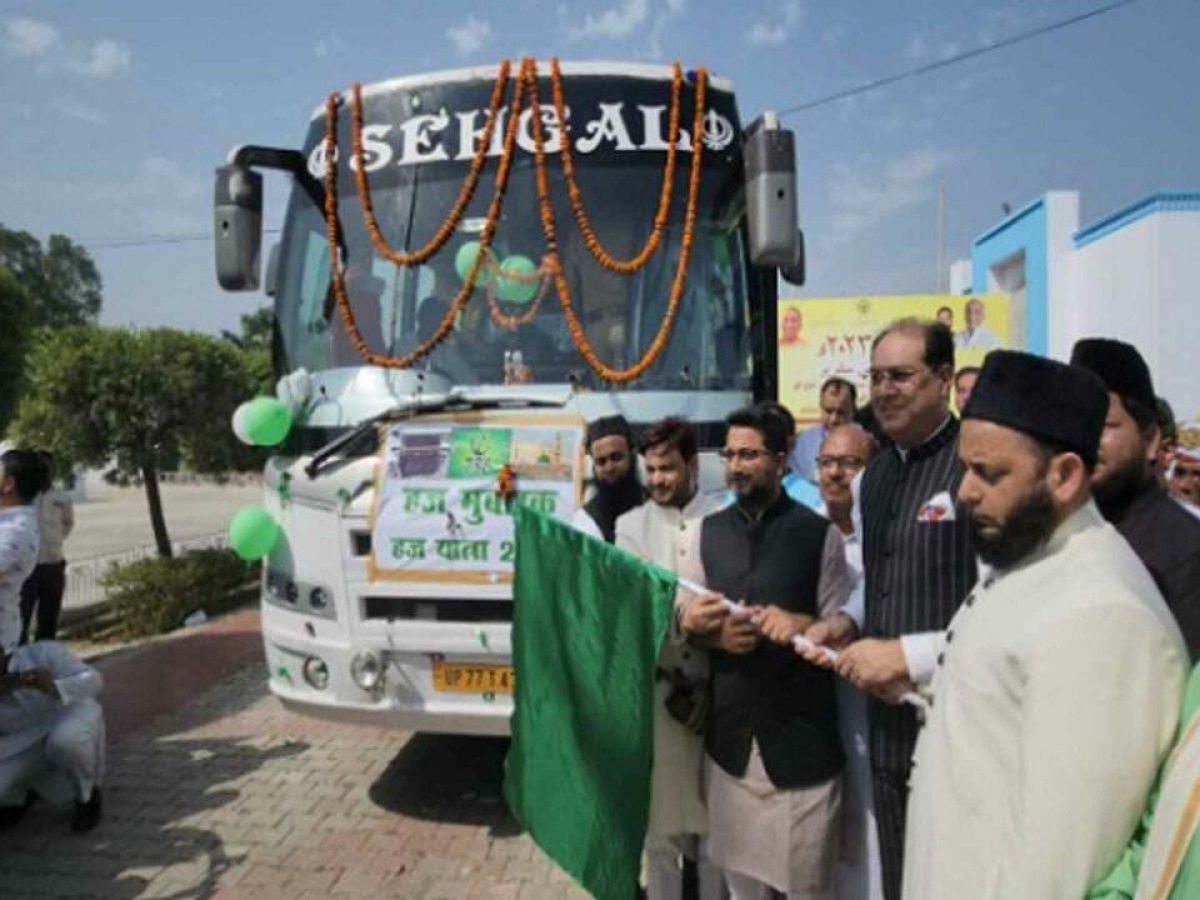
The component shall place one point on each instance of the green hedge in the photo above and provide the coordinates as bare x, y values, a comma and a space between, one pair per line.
154, 596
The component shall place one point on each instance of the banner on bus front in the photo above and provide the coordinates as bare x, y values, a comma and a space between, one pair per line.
446, 487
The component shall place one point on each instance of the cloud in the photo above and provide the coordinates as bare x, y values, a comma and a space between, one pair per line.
777, 25
676, 6
29, 38
616, 22
927, 48
81, 113
326, 46
863, 194
469, 36
104, 59
34, 39
834, 35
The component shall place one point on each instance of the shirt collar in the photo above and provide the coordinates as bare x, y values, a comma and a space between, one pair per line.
781, 504
942, 435
1083, 519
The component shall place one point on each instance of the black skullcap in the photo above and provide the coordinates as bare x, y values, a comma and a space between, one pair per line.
1062, 405
1119, 366
609, 426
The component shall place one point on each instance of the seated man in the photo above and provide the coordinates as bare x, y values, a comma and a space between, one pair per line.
51, 733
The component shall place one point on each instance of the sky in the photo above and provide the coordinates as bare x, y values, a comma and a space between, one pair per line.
116, 114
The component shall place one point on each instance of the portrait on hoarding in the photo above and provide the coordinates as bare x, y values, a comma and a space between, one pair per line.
791, 328
977, 334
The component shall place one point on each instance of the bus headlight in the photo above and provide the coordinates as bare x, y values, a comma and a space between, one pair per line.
318, 599
366, 669
316, 673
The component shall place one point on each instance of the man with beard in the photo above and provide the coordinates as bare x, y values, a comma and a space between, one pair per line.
663, 532
1057, 689
610, 444
1126, 485
918, 560
774, 757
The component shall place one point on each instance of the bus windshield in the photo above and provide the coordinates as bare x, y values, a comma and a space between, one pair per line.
397, 307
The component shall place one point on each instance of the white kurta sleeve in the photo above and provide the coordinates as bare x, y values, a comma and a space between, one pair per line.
1102, 702
74, 679
68, 515
833, 588
921, 654
582, 521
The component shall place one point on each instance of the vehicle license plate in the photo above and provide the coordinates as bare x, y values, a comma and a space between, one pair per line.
472, 678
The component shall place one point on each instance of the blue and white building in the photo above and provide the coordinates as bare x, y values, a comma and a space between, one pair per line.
1132, 275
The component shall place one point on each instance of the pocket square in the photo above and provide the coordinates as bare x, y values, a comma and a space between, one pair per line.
938, 508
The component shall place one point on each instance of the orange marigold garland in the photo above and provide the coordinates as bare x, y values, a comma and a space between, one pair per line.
661, 338
590, 240
337, 276
446, 231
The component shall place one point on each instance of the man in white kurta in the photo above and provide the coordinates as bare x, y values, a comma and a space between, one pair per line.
663, 532
51, 732
1057, 688
21, 480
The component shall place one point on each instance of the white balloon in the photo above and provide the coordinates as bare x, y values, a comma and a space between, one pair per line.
240, 428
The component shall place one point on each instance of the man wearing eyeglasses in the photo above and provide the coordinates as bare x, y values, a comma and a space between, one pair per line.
919, 560
773, 754
844, 454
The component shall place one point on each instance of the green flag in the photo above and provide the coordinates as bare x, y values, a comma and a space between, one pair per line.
588, 623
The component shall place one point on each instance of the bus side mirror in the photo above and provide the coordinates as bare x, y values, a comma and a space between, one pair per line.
795, 273
237, 227
271, 285
771, 212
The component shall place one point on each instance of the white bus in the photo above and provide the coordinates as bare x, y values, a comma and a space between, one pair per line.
411, 627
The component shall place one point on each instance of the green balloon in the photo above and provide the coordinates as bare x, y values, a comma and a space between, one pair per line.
464, 259
515, 283
253, 533
267, 421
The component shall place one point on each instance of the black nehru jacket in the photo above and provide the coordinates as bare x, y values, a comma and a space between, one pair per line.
769, 693
918, 568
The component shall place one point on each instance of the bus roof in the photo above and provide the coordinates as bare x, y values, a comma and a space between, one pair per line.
488, 73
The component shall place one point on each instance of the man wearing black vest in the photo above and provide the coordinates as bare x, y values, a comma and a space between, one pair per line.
918, 558
610, 445
774, 757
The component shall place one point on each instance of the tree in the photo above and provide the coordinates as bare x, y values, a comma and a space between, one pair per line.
14, 337
258, 329
136, 398
61, 280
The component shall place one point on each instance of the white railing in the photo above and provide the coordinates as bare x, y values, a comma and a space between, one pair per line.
83, 575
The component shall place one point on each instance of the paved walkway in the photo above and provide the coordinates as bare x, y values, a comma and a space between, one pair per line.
214, 791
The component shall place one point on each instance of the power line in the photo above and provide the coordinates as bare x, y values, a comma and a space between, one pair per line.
956, 58
155, 239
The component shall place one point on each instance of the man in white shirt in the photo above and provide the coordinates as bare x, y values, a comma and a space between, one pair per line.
22, 478
1057, 686
51, 733
845, 453
664, 531
43, 589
